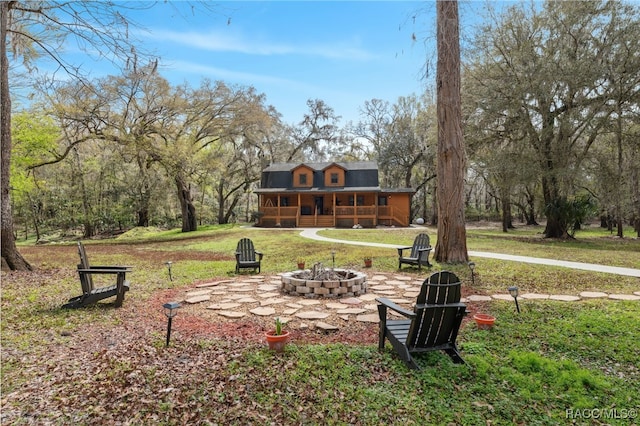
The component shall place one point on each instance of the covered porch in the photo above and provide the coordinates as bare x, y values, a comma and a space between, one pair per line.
330, 209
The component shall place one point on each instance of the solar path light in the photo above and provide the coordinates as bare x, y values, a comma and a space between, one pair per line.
170, 310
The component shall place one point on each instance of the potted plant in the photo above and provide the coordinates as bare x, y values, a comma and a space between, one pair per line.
484, 321
277, 339
300, 263
367, 261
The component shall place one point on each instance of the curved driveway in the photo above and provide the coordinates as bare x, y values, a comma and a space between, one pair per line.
312, 233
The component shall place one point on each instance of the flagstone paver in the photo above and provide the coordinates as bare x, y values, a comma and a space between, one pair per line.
269, 295
593, 294
534, 296
326, 327
213, 283
624, 297
368, 318
501, 297
478, 298
352, 311
224, 306
381, 287
308, 302
198, 299
263, 311
564, 297
367, 297
311, 315
336, 305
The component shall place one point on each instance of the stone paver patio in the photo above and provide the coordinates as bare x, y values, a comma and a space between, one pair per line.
259, 296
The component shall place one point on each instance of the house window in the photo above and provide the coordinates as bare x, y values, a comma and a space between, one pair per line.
334, 178
359, 200
382, 200
284, 202
303, 179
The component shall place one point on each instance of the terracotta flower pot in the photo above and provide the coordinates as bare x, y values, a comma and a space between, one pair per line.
484, 321
367, 263
277, 342
301, 265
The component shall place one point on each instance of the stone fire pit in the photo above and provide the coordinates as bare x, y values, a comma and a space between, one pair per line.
324, 282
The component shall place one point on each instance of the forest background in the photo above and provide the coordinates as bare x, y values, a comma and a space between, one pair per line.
551, 122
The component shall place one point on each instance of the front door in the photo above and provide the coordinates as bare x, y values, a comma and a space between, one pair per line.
319, 202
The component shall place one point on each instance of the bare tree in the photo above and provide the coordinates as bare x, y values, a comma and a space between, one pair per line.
96, 25
452, 237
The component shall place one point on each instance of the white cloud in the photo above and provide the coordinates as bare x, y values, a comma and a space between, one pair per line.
216, 73
224, 42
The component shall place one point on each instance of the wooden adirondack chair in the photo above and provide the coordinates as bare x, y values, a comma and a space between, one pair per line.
419, 252
91, 294
246, 256
434, 323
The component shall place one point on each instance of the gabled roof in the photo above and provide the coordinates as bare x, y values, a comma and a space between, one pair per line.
354, 165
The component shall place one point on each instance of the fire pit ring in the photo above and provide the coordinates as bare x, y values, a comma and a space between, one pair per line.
343, 283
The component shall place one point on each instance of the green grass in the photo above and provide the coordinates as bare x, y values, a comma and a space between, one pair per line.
104, 366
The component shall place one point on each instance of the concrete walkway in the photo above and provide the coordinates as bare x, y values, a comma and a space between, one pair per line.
312, 233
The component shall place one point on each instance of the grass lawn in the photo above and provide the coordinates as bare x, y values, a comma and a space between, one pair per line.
554, 363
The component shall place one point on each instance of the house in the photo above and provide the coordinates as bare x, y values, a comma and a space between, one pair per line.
331, 194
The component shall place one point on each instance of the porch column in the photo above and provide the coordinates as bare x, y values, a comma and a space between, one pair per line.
298, 214
279, 219
375, 202
355, 208
333, 209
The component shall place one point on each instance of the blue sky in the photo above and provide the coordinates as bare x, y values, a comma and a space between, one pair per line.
343, 53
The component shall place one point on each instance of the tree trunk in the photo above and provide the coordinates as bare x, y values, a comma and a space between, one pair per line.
10, 255
143, 217
506, 213
189, 220
452, 236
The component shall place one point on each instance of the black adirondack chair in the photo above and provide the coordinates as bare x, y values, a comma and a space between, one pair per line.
419, 252
246, 256
92, 294
434, 323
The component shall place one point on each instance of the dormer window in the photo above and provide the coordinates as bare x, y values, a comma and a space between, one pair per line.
334, 178
303, 179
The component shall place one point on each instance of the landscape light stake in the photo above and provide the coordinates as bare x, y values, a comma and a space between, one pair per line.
333, 258
472, 266
170, 310
169, 267
513, 291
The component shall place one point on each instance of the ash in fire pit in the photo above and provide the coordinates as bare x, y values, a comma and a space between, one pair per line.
324, 282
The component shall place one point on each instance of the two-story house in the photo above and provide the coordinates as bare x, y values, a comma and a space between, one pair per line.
332, 194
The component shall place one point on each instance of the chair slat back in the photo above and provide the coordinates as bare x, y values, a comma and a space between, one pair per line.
436, 325
85, 279
420, 242
246, 250
441, 287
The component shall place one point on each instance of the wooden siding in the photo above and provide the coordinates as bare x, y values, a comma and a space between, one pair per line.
334, 170
302, 170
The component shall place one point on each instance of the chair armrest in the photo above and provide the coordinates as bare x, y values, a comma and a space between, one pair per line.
98, 270
425, 249
116, 268
259, 253
399, 309
401, 249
